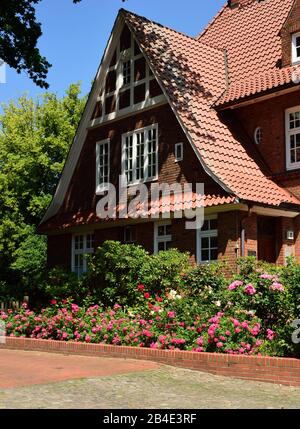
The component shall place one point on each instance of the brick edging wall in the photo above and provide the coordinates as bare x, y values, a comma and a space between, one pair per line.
259, 368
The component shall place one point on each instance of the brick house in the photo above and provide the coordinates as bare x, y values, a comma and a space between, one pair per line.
222, 109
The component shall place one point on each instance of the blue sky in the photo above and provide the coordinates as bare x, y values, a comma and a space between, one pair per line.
75, 35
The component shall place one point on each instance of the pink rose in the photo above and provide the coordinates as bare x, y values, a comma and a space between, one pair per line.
277, 287
270, 334
235, 284
199, 341
249, 289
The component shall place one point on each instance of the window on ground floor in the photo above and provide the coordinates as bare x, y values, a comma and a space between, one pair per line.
129, 234
82, 245
162, 236
207, 240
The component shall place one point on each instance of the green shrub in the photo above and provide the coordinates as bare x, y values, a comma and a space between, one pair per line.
204, 285
62, 284
116, 269
165, 270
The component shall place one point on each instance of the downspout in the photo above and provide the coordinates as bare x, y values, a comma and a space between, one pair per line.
243, 232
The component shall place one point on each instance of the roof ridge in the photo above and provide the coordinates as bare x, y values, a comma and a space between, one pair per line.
194, 39
159, 24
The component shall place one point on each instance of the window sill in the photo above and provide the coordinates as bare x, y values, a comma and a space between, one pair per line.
293, 167
131, 185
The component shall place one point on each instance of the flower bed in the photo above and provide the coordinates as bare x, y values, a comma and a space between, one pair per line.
157, 323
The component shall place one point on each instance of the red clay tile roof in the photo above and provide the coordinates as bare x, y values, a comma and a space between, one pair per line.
193, 76
250, 35
163, 205
256, 85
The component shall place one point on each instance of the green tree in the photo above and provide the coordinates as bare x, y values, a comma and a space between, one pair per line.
19, 34
35, 136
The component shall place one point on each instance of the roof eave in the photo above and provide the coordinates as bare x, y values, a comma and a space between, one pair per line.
261, 96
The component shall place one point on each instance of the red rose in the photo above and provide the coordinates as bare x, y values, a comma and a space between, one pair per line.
146, 295
141, 287
158, 299
53, 302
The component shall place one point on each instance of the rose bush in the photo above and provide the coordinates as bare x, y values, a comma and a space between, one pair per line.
193, 309
154, 323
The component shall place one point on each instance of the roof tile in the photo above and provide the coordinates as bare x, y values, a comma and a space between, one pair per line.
202, 70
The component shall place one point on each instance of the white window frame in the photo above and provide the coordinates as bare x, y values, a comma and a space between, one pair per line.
134, 134
84, 251
128, 74
178, 158
202, 234
102, 185
124, 56
295, 57
161, 238
289, 132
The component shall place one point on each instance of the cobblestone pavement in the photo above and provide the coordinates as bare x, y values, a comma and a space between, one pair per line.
166, 387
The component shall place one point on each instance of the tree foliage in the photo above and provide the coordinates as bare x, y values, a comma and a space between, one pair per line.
35, 136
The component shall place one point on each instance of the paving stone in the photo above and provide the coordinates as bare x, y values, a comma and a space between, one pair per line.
166, 387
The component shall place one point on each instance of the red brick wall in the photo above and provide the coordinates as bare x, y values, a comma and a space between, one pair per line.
259, 368
102, 235
297, 237
270, 116
59, 250
283, 225
143, 232
228, 237
81, 193
292, 25
184, 239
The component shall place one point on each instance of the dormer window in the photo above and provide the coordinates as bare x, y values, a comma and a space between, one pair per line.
296, 48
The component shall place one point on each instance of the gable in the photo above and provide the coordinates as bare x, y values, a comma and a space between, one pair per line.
129, 84
109, 100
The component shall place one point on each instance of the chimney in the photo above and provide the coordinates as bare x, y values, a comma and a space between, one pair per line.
236, 3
